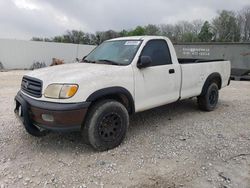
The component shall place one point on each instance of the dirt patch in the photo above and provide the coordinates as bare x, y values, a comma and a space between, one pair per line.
172, 146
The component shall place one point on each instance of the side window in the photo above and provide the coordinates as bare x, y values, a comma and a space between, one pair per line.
158, 51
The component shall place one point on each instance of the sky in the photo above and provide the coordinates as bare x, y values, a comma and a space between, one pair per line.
24, 19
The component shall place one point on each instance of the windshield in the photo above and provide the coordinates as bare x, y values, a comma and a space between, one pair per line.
119, 52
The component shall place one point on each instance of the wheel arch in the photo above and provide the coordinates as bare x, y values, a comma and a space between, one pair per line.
119, 94
214, 77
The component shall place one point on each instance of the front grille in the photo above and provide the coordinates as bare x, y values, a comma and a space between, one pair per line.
32, 86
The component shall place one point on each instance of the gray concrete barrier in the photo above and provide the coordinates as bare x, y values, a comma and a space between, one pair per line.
19, 54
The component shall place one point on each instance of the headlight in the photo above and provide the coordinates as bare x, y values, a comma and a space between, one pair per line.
61, 91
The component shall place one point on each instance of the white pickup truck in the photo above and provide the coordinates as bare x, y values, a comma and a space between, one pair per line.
120, 77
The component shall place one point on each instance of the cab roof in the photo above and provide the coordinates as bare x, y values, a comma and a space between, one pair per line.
138, 38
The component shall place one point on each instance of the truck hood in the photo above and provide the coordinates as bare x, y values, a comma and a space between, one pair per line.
89, 77
73, 73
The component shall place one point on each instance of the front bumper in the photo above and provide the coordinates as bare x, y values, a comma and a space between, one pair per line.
66, 116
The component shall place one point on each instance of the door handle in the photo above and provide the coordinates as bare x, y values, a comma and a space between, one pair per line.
171, 71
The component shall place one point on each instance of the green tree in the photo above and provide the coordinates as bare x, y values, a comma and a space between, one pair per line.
189, 37
58, 39
206, 34
244, 23
138, 31
105, 35
168, 31
226, 28
37, 39
152, 30
123, 33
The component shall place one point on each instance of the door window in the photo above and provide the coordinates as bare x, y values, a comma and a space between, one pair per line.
158, 51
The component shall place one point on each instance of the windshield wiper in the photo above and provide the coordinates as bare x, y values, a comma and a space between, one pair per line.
109, 62
87, 61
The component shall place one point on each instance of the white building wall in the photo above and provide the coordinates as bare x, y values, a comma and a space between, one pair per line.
18, 54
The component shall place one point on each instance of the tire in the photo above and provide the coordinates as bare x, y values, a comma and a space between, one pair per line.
34, 131
106, 125
208, 102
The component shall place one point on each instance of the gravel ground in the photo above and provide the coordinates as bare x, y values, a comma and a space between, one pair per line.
172, 146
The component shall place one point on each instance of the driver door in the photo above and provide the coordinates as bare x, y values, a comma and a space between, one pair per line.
159, 83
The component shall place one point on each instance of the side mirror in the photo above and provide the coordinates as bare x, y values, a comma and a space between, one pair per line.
144, 61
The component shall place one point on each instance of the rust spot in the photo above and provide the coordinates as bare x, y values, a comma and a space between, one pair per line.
61, 118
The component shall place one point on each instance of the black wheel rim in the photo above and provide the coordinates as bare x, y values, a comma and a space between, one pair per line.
213, 97
110, 127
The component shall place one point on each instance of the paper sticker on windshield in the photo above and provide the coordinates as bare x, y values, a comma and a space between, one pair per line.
132, 43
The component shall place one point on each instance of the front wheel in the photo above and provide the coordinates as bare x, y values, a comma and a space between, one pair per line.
106, 125
208, 102
33, 130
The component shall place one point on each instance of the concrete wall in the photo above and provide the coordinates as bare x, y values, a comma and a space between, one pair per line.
18, 54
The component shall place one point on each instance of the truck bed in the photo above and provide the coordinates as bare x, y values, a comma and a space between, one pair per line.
196, 71
189, 60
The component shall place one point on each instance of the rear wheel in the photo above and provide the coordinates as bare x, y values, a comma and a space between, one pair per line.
106, 125
209, 100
